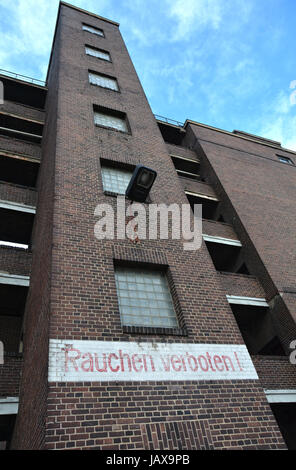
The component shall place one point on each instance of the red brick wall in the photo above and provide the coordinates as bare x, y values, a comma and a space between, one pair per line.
256, 193
276, 373
228, 415
73, 295
10, 373
23, 111
83, 295
29, 432
20, 147
241, 285
15, 261
15, 193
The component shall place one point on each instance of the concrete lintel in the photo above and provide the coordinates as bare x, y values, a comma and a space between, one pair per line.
9, 406
204, 196
223, 241
14, 280
281, 396
240, 300
15, 206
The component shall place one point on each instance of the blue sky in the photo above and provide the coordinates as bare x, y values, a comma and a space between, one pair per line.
227, 63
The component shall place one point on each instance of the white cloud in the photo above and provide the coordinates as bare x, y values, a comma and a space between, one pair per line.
193, 14
280, 121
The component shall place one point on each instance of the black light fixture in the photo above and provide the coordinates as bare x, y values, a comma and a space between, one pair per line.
140, 184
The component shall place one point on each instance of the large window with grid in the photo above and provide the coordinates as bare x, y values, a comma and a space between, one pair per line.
117, 122
98, 53
115, 180
103, 81
144, 298
93, 30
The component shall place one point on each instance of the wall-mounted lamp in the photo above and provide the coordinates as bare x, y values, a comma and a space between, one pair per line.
140, 184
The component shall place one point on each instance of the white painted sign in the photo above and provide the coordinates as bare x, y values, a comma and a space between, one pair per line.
99, 361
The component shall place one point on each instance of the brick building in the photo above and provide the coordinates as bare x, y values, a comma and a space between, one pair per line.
159, 328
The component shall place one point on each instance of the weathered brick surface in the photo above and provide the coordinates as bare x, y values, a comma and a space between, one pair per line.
257, 194
22, 111
197, 187
15, 261
229, 415
16, 193
73, 294
29, 432
20, 147
179, 151
10, 373
218, 229
275, 372
241, 285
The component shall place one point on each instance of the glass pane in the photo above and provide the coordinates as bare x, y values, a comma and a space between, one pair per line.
107, 120
101, 80
93, 30
149, 302
116, 181
97, 53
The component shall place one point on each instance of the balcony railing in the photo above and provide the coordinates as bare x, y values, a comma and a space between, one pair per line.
168, 120
24, 78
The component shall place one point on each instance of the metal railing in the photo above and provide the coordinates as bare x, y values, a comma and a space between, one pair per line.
168, 120
24, 78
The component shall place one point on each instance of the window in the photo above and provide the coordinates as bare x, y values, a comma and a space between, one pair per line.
144, 298
115, 180
186, 167
285, 160
209, 204
112, 119
103, 81
92, 29
99, 53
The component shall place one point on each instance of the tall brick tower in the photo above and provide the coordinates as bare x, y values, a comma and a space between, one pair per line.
139, 345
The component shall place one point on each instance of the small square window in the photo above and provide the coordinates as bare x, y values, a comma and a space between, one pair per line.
98, 53
149, 302
103, 81
93, 30
111, 119
285, 160
115, 180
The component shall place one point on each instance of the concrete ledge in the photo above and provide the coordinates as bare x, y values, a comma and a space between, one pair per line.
14, 280
9, 406
280, 396
255, 301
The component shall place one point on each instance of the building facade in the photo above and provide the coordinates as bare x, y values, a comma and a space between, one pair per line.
113, 344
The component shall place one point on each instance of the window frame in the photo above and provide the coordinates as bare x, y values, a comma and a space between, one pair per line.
114, 168
115, 113
99, 50
106, 76
94, 27
146, 329
288, 161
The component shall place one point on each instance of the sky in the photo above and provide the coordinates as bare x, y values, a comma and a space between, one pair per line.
230, 64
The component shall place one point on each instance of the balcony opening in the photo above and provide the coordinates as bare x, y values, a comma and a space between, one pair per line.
172, 134
18, 171
20, 128
7, 423
257, 329
24, 93
243, 269
224, 256
209, 206
285, 415
186, 167
13, 301
16, 227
